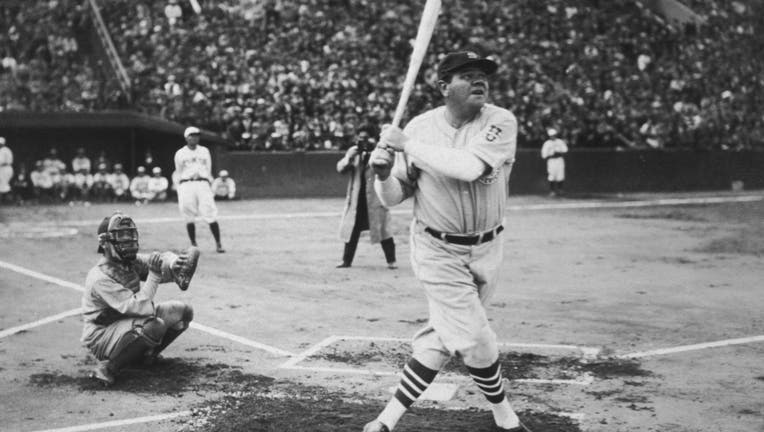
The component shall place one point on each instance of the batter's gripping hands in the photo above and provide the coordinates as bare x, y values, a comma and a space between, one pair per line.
184, 267
381, 161
392, 137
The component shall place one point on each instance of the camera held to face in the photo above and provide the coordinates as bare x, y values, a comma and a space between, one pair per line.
365, 143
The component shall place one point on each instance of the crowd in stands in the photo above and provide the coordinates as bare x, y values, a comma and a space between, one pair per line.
306, 74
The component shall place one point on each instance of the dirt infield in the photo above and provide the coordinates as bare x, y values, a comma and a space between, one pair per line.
617, 313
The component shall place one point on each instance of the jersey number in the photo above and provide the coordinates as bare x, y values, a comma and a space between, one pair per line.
493, 133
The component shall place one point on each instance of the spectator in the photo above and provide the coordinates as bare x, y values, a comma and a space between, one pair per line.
120, 183
158, 185
6, 170
102, 189
21, 186
42, 183
81, 162
224, 187
139, 186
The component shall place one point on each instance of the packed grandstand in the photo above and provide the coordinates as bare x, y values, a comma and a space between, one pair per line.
306, 74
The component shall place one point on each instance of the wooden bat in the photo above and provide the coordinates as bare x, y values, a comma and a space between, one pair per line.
423, 35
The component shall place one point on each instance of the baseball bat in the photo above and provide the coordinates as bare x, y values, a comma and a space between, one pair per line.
423, 35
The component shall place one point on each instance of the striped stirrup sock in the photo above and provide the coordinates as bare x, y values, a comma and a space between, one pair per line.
416, 378
490, 381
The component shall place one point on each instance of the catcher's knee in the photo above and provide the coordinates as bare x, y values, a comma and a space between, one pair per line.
188, 313
153, 329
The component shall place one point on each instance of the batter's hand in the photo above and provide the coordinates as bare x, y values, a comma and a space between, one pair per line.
392, 137
381, 161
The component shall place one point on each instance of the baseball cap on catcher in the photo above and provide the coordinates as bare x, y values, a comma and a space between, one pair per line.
191, 130
462, 59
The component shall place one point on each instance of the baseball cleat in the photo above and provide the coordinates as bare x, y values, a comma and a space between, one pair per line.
392, 265
220, 249
103, 374
375, 426
343, 265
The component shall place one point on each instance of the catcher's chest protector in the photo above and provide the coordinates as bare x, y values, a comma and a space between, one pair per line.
124, 275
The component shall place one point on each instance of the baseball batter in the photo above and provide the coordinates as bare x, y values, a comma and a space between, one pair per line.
455, 161
552, 152
193, 165
122, 323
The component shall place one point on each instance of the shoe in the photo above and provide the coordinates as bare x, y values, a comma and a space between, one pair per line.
193, 244
392, 265
375, 426
343, 264
220, 249
103, 374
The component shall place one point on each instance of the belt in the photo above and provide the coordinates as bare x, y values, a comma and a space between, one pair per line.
199, 179
468, 240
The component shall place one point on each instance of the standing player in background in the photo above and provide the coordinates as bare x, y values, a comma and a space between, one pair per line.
455, 161
552, 152
193, 164
6, 170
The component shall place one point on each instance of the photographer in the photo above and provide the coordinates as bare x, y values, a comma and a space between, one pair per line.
363, 210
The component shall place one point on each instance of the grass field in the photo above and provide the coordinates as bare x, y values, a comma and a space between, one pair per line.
615, 313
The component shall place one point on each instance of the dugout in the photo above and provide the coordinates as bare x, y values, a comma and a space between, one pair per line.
124, 136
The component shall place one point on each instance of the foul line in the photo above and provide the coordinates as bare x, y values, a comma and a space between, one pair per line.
524, 207
118, 423
21, 328
694, 347
66, 284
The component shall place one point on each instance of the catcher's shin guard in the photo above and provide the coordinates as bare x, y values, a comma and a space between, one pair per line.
131, 347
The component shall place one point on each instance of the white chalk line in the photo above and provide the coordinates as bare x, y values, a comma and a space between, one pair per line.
43, 321
198, 326
118, 423
694, 347
292, 363
523, 207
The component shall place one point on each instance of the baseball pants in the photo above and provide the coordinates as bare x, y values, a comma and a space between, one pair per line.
195, 199
458, 281
555, 169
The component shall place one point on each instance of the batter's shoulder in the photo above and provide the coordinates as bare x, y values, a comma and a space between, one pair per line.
496, 113
425, 118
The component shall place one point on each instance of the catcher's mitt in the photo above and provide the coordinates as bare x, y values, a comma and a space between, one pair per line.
184, 267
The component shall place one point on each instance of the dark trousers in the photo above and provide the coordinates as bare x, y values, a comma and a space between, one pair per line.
388, 247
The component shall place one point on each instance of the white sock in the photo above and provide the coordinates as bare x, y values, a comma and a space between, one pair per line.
504, 415
392, 413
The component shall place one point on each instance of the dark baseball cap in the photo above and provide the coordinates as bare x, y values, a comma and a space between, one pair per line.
455, 61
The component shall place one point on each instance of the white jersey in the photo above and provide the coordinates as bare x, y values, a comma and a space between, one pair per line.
451, 205
193, 164
158, 184
552, 147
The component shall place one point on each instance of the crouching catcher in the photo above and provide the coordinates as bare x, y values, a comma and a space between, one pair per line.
122, 324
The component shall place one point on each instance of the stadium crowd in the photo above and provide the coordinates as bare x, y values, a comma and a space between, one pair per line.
305, 75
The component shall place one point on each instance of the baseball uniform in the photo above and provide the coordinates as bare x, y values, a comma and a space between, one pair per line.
552, 151
194, 178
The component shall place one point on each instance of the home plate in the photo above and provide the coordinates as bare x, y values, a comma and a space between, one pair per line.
436, 392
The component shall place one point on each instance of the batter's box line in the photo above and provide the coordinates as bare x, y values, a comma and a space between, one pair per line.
293, 363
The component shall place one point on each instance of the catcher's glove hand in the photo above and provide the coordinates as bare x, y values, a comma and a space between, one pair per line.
184, 267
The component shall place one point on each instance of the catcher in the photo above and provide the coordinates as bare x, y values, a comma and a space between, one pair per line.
122, 324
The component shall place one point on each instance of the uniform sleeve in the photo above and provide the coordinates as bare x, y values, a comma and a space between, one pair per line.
496, 143
125, 301
231, 188
545, 150
177, 162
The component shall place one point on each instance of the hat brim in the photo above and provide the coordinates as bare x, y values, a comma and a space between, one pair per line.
488, 66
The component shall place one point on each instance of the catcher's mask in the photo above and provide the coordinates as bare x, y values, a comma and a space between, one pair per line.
119, 230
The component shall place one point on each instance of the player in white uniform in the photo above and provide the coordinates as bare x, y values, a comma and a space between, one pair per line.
455, 161
6, 169
552, 152
193, 164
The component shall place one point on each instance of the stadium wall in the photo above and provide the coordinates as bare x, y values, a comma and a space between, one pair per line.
260, 175
123, 136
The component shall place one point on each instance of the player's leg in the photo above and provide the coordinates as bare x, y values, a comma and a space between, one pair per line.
482, 359
348, 253
187, 206
177, 316
209, 212
388, 247
125, 342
